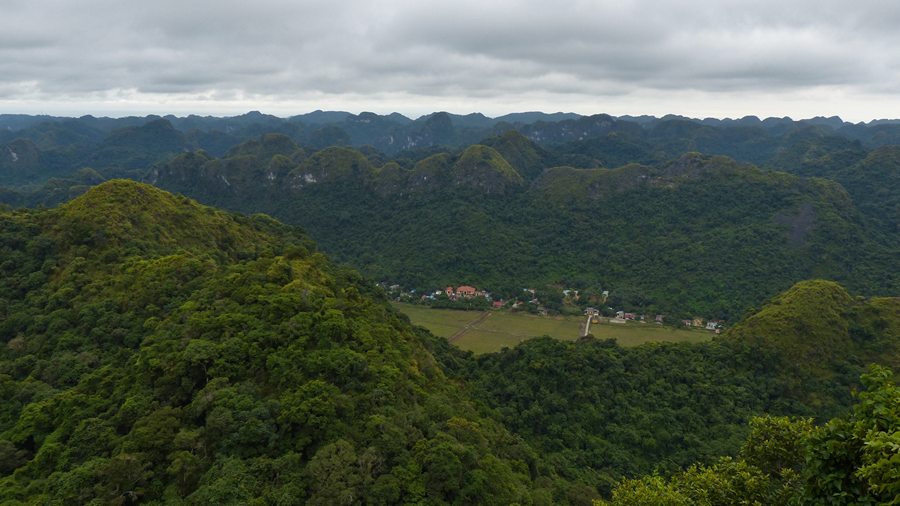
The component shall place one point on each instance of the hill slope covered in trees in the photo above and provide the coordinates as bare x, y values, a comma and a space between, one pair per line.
696, 235
598, 411
540, 201
157, 350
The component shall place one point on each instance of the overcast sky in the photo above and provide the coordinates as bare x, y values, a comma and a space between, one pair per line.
797, 58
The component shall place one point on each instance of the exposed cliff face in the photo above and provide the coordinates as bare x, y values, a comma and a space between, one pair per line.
20, 159
330, 165
282, 167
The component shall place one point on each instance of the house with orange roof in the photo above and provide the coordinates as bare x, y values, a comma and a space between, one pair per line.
466, 291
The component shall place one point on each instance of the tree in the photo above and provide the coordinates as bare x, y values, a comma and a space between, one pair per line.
857, 460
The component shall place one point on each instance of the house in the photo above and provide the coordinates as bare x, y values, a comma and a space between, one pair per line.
629, 316
697, 322
497, 304
466, 291
449, 291
714, 324
687, 323
659, 319
591, 311
620, 315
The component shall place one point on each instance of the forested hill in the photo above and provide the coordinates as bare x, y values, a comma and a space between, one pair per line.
155, 350
673, 215
158, 350
598, 411
696, 235
34, 148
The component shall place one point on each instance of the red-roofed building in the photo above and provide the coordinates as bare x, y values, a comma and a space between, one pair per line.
465, 291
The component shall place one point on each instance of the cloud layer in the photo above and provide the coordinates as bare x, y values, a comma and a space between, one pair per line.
727, 57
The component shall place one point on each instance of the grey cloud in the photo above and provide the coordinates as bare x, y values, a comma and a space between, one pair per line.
281, 50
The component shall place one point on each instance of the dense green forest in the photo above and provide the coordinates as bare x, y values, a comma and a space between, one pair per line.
602, 411
159, 351
697, 235
538, 201
849, 460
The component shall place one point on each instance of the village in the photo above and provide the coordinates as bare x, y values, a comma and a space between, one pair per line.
466, 297
621, 317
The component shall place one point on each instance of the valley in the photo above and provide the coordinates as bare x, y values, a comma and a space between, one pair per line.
679, 232
503, 329
246, 352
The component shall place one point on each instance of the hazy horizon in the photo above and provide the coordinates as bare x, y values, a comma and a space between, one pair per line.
419, 116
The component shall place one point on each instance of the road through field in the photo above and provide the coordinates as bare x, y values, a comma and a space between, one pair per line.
482, 317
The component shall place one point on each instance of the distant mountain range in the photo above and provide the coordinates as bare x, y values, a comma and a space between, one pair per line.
707, 216
48, 145
319, 117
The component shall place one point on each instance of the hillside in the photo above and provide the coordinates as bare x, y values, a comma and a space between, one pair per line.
849, 460
599, 412
695, 235
159, 350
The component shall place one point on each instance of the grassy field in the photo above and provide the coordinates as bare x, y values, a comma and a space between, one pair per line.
503, 329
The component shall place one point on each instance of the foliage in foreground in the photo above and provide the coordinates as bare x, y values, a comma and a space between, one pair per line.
849, 460
598, 412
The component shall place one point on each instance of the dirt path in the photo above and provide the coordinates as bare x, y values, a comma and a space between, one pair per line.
482, 317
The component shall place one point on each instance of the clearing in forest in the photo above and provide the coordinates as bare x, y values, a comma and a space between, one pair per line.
471, 330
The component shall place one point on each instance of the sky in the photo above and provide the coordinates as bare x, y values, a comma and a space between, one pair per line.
716, 58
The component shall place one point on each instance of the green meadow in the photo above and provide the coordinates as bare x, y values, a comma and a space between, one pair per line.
469, 331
